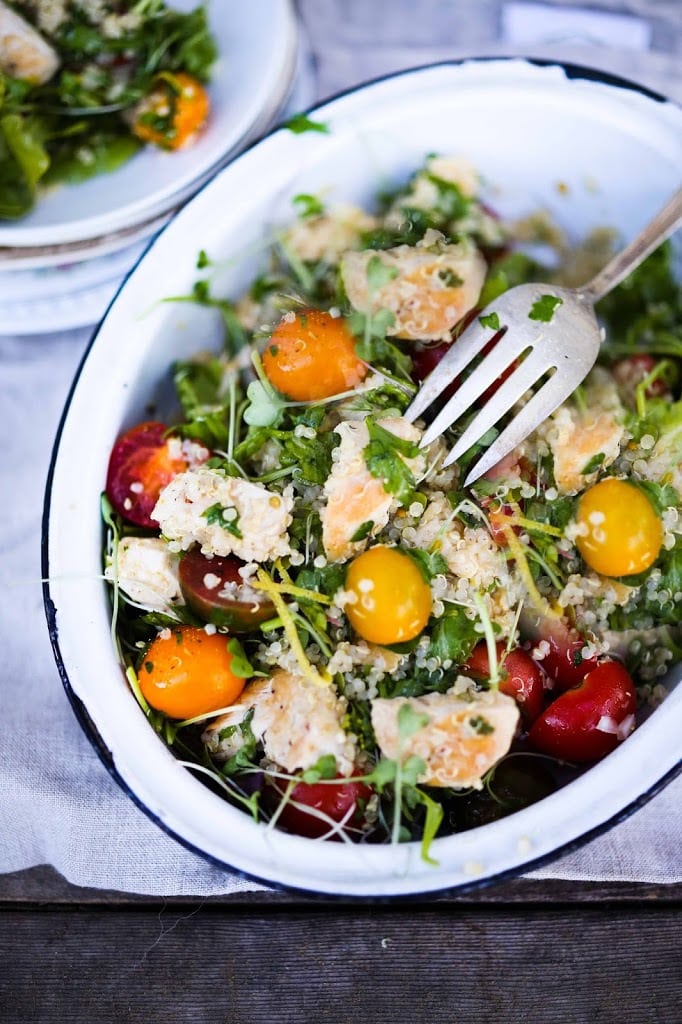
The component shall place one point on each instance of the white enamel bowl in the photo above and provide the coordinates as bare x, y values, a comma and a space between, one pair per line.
616, 153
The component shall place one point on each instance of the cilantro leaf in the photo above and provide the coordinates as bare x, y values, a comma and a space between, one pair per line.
300, 123
490, 320
544, 308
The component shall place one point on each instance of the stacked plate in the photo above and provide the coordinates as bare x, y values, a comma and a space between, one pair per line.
61, 265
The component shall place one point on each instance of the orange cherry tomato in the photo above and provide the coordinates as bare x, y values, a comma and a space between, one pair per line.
189, 673
392, 599
623, 534
173, 112
312, 356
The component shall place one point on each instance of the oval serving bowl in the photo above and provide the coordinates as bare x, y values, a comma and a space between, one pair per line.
591, 152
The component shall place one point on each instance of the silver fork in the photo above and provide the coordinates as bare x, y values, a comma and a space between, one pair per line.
566, 346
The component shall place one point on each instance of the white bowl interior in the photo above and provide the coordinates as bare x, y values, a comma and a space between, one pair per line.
528, 128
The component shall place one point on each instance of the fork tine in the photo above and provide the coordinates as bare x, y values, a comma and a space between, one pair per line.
543, 403
486, 373
461, 352
516, 385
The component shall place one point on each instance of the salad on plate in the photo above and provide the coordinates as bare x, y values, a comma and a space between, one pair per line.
315, 614
85, 83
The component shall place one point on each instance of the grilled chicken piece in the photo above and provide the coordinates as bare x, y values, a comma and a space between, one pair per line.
23, 51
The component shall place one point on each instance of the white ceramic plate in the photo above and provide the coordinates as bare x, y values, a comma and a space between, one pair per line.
617, 154
257, 60
63, 287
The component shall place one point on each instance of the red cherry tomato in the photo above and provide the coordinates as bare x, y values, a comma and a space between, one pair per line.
589, 720
564, 662
142, 462
426, 358
631, 371
522, 678
340, 801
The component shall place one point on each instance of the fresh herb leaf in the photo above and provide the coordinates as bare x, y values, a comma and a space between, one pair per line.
593, 464
490, 320
225, 516
543, 309
453, 636
429, 563
308, 205
385, 459
324, 768
363, 531
481, 725
240, 664
300, 123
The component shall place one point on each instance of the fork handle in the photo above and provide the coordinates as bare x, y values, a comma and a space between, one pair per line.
663, 225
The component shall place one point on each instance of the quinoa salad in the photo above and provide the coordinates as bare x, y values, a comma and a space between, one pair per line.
315, 614
84, 84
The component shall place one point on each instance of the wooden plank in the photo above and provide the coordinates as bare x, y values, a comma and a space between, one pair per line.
45, 886
446, 964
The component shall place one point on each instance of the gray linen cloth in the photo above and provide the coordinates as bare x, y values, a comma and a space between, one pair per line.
58, 804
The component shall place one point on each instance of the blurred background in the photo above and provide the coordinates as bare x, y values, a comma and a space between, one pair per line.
639, 39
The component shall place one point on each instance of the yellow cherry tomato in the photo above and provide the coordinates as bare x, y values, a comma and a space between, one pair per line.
392, 600
173, 112
312, 355
189, 673
624, 531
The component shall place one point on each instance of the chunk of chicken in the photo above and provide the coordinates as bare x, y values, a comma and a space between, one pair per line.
147, 571
330, 234
224, 515
434, 284
585, 439
462, 739
296, 721
23, 51
354, 496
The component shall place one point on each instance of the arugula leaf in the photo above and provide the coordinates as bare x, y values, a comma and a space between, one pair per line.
384, 457
453, 636
429, 563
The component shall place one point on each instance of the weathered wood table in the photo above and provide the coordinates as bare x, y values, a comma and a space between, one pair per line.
552, 952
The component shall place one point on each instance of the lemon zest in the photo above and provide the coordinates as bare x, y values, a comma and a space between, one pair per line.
307, 669
292, 591
540, 603
533, 525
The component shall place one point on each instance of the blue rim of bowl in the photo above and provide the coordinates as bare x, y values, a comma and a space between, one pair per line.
573, 72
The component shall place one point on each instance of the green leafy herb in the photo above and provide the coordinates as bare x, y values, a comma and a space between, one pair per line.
308, 205
240, 664
324, 768
490, 320
593, 464
225, 516
363, 531
543, 309
300, 123
481, 725
453, 636
385, 459
379, 274
429, 563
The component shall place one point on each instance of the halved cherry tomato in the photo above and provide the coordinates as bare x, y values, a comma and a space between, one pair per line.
589, 720
312, 355
632, 370
426, 358
522, 678
188, 673
564, 663
214, 590
623, 533
340, 801
142, 462
172, 114
392, 599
